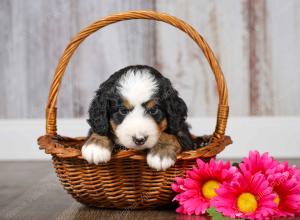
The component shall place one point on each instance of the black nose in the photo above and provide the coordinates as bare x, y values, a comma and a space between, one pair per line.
139, 140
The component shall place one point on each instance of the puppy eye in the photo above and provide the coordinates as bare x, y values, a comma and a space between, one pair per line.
123, 111
153, 111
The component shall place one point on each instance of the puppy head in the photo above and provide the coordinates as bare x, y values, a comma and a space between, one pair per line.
135, 105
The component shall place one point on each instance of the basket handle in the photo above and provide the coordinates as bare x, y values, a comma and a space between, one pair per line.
223, 108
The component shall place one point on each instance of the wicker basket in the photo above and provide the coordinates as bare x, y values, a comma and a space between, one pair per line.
126, 181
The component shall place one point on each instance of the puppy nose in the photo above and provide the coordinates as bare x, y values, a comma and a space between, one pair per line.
139, 140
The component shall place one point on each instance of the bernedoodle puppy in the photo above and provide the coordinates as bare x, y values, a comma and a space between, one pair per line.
138, 108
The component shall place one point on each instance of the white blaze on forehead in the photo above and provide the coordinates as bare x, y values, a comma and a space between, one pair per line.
137, 86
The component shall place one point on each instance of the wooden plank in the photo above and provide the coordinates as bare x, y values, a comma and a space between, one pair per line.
5, 24
230, 33
27, 185
48, 31
13, 60
108, 50
284, 35
20, 181
260, 62
273, 28
184, 63
34, 37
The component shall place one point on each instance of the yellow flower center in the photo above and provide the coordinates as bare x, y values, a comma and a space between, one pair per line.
208, 188
246, 202
277, 199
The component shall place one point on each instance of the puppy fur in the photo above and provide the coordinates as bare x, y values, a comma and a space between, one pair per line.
138, 108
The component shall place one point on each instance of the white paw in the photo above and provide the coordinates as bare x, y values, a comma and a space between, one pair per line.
95, 153
159, 163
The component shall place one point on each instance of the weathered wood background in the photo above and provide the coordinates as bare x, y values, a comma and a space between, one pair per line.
257, 43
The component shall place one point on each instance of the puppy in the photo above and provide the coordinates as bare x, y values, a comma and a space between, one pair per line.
138, 108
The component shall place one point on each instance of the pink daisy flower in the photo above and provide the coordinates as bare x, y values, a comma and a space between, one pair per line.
258, 163
286, 186
284, 167
178, 187
250, 196
198, 188
284, 179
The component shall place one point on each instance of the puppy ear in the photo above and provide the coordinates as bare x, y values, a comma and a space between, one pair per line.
98, 113
176, 111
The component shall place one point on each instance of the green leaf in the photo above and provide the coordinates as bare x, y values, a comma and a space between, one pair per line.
212, 212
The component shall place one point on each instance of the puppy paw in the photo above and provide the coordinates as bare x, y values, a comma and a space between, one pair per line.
158, 162
96, 154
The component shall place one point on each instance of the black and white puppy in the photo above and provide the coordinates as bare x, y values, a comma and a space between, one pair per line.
138, 108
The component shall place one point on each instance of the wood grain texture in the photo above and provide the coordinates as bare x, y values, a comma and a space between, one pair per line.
260, 63
181, 60
13, 59
49, 30
6, 23
284, 29
256, 42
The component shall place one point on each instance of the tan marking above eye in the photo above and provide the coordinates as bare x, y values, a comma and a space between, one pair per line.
127, 104
150, 104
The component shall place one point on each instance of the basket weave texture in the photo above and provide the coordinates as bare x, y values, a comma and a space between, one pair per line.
126, 181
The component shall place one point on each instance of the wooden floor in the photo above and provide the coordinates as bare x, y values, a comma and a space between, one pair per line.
30, 190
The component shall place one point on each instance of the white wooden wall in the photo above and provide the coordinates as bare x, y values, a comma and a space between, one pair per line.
257, 43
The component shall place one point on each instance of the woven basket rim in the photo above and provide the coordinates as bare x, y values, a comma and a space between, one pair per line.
68, 147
